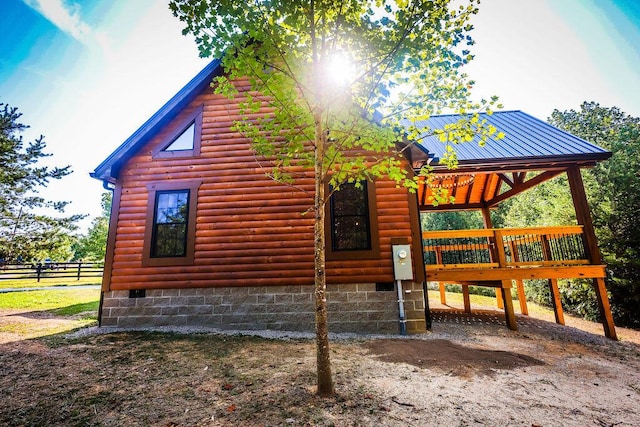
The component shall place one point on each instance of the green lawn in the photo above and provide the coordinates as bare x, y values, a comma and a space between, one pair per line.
57, 300
46, 282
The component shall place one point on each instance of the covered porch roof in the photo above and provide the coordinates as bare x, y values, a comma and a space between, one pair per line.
531, 152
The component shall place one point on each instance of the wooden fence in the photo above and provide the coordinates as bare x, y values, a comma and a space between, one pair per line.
51, 270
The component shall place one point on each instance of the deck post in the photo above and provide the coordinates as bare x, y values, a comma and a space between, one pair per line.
443, 296
509, 315
604, 307
466, 299
556, 301
583, 216
506, 284
488, 224
499, 297
522, 298
443, 293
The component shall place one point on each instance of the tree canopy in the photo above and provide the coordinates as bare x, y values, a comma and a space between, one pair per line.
346, 84
335, 71
26, 231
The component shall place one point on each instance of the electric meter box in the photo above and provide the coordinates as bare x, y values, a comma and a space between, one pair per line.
402, 262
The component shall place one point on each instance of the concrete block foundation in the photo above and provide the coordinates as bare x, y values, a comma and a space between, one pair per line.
352, 308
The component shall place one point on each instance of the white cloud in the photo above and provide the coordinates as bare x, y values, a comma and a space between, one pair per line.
65, 17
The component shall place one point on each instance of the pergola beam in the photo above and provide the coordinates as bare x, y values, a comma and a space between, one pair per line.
519, 187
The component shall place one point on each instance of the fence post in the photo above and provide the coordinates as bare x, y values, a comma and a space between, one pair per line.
79, 269
38, 270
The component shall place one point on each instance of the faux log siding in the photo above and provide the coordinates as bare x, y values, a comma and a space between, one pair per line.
250, 231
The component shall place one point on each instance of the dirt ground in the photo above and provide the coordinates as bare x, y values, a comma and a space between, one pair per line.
470, 370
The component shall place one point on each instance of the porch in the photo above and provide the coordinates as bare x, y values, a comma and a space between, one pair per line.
504, 258
491, 172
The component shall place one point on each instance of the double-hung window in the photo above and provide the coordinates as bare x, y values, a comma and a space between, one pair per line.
170, 228
170, 222
352, 222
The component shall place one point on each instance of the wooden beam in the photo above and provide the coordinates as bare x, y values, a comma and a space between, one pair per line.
583, 215
449, 207
522, 298
475, 182
519, 188
486, 192
509, 315
491, 241
605, 309
466, 299
506, 180
556, 301
493, 274
499, 298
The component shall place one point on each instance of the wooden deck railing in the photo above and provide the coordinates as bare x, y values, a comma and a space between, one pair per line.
505, 247
498, 257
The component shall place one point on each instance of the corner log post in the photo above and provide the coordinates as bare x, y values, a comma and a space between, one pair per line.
522, 298
491, 241
505, 285
583, 216
553, 283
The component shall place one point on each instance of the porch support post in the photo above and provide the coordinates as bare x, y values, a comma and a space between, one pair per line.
556, 301
507, 301
509, 315
488, 224
499, 297
443, 295
553, 283
522, 298
583, 216
466, 299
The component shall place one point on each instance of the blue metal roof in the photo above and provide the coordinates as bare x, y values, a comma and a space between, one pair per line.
526, 138
108, 169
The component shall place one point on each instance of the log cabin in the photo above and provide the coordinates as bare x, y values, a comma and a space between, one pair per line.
199, 235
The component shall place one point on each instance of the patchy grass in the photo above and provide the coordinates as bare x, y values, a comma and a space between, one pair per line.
168, 379
33, 314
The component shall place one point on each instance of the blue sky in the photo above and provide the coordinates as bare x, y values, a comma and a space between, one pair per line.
87, 73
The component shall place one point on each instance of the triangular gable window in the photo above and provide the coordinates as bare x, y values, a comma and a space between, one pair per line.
184, 141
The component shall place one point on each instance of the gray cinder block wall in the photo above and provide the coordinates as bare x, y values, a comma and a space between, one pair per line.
352, 308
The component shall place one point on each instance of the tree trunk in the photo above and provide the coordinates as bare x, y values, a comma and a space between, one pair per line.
325, 380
